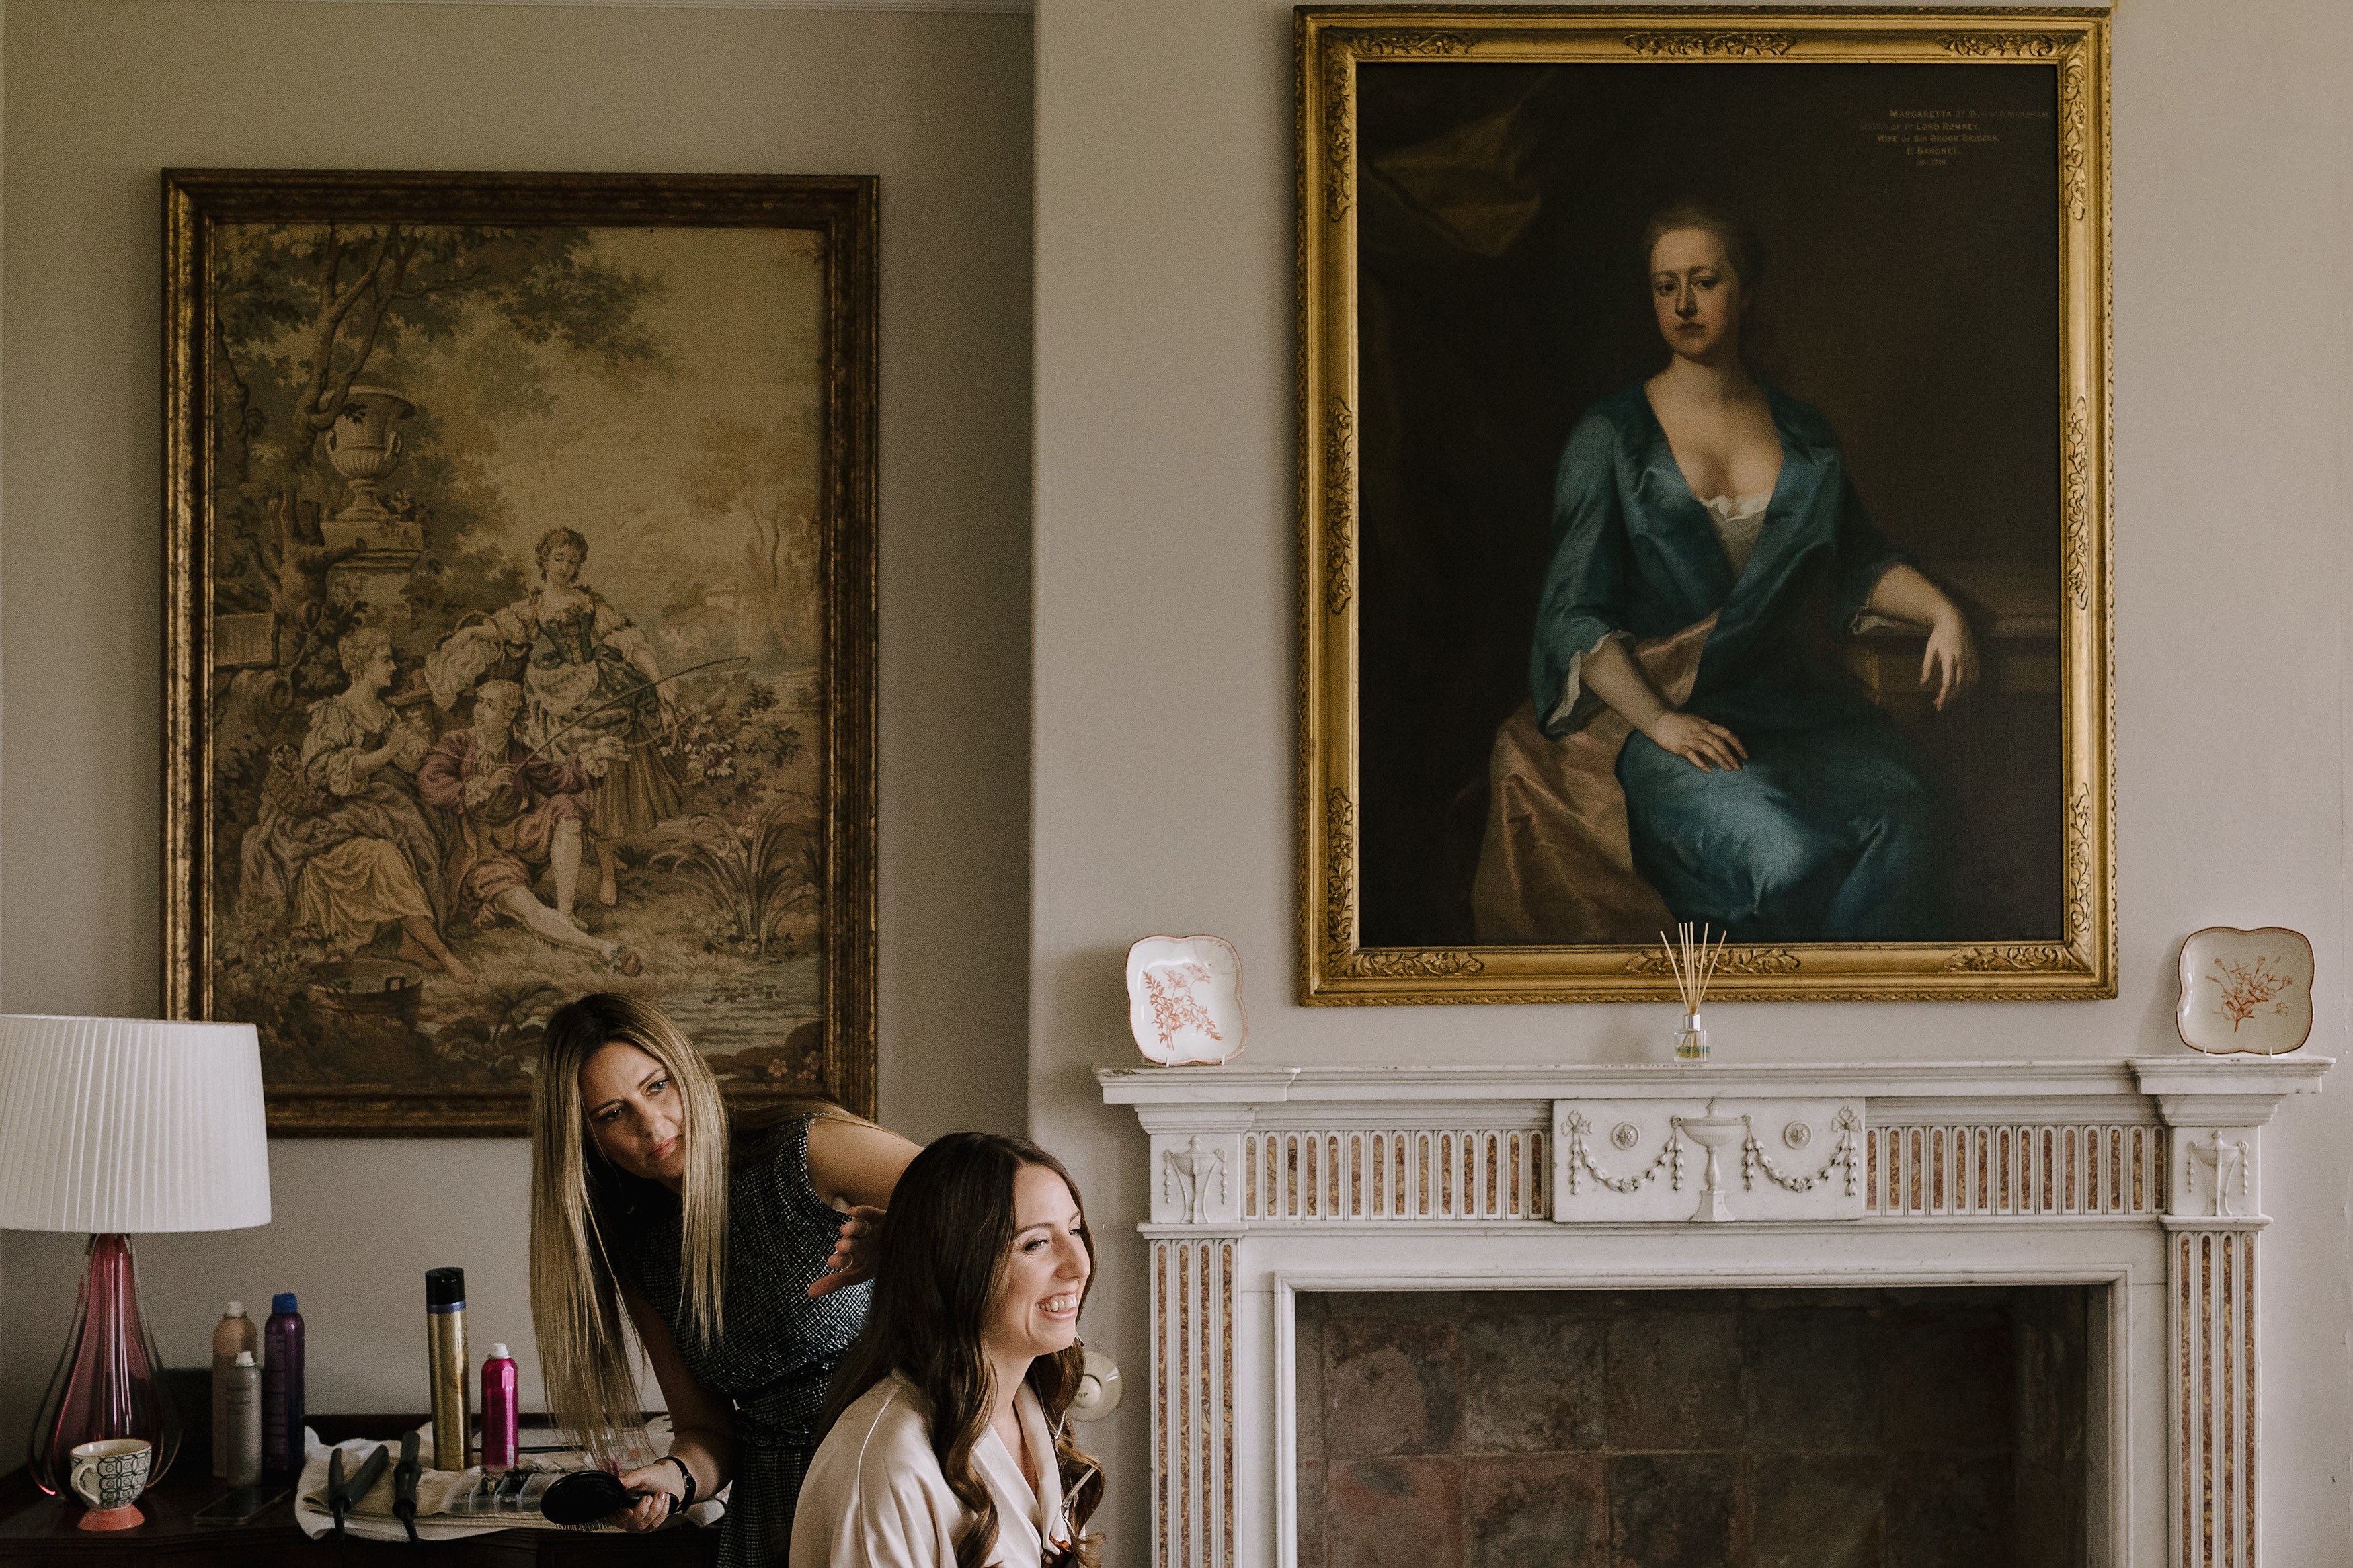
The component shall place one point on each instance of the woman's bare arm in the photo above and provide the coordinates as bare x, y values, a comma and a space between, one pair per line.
854, 1166
702, 1429
1949, 663
1614, 677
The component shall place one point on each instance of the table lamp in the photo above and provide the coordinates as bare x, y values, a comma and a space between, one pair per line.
113, 1126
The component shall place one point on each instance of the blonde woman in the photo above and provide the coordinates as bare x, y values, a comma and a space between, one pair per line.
726, 1249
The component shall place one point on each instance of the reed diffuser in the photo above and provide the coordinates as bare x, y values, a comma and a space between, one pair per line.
1693, 962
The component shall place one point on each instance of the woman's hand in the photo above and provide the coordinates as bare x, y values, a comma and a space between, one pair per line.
1950, 661
1704, 745
853, 1254
408, 742
1949, 664
652, 1483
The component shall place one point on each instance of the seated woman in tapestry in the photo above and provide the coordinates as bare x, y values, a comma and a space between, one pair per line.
1705, 537
341, 849
574, 655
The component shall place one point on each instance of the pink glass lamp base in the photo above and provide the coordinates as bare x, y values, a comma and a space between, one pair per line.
127, 1517
109, 1382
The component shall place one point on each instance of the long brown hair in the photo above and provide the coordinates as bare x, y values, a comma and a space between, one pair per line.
940, 1267
582, 1203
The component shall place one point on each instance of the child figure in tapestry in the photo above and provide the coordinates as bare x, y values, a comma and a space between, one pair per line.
587, 673
517, 815
341, 849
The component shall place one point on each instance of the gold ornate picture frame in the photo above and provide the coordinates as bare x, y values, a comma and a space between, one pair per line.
520, 627
1933, 190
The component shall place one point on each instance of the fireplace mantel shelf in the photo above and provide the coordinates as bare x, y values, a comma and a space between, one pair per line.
2268, 1077
2141, 1173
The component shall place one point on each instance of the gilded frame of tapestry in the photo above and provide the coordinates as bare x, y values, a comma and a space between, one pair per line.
811, 888
1336, 965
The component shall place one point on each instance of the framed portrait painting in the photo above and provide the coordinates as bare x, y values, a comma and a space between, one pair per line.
1704, 428
520, 627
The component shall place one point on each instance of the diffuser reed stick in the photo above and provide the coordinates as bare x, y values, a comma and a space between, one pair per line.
1693, 960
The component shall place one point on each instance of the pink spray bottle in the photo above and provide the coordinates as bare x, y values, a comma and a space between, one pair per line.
500, 1419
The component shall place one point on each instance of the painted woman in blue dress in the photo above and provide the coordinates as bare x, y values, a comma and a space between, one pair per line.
1776, 800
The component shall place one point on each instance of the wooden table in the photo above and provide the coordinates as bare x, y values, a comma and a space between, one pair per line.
37, 1529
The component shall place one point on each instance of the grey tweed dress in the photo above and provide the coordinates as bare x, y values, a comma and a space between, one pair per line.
776, 1354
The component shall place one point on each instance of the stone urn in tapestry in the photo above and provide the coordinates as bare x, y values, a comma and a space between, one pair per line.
364, 450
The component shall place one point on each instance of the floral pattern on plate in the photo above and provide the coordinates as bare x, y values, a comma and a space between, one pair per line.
1184, 999
2245, 991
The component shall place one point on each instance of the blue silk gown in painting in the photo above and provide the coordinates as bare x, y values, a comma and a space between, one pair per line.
1827, 833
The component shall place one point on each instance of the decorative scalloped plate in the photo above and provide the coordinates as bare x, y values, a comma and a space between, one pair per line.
1184, 999
2245, 991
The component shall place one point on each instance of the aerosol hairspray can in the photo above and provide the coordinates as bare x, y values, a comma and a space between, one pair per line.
445, 1339
233, 1333
241, 1428
281, 1386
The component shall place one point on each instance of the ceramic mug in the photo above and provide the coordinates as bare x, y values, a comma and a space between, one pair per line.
112, 1472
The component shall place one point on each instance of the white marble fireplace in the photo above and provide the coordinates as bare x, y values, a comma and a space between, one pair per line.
2143, 1176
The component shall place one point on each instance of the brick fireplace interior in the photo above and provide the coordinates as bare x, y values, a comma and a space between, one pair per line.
1749, 1428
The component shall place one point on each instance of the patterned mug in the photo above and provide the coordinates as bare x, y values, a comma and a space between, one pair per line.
109, 1475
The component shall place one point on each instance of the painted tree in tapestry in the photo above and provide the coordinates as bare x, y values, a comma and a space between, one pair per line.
517, 630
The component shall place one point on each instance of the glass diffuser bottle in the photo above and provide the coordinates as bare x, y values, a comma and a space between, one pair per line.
1692, 959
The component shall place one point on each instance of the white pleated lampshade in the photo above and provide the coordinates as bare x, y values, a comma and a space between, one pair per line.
130, 1125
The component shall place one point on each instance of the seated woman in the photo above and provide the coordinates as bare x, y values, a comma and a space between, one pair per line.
341, 849
945, 1446
726, 1248
1706, 536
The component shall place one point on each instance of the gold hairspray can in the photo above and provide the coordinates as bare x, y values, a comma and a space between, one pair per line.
445, 1341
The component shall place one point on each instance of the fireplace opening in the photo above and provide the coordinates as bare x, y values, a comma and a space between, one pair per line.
1743, 1428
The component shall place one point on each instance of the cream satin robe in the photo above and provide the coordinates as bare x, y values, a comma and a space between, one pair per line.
875, 1497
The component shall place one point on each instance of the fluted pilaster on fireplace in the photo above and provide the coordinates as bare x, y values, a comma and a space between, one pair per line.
2215, 1113
2211, 1308
1192, 1401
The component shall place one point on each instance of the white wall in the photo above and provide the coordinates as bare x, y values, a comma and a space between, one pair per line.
99, 98
1164, 622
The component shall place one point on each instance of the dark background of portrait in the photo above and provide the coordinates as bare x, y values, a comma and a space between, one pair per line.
1502, 291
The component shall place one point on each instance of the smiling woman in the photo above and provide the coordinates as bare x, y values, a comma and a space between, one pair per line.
944, 1443
737, 1253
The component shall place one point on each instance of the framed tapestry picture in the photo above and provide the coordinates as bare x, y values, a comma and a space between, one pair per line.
1704, 428
520, 627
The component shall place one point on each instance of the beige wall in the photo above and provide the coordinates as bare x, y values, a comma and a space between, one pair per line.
1165, 628
100, 97
1163, 556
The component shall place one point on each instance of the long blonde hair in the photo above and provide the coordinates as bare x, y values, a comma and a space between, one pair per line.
579, 1200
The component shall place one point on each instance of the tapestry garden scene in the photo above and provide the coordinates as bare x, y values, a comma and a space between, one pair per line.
516, 686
